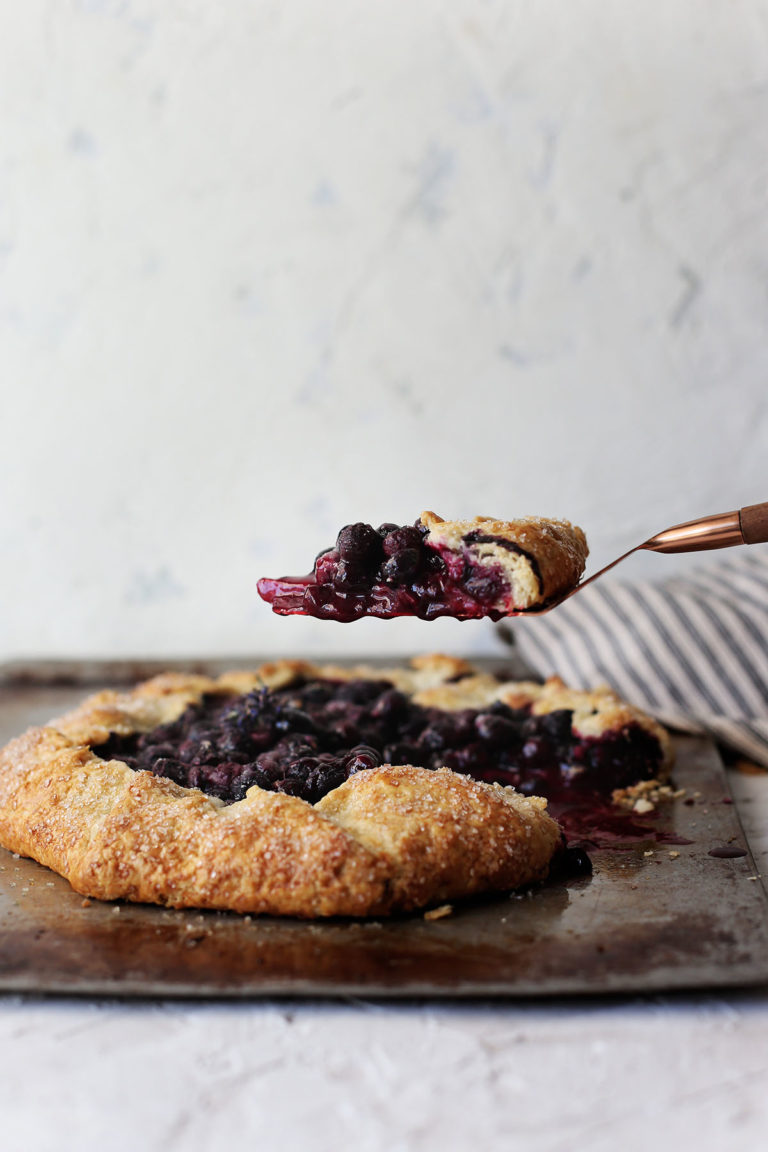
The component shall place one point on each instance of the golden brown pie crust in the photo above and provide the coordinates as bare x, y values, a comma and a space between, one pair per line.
395, 838
550, 560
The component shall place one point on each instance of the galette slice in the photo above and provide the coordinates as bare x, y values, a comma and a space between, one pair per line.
461, 568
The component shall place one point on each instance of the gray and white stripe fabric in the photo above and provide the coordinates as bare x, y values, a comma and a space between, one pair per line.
692, 650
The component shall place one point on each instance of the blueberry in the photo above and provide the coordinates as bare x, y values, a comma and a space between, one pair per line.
318, 692
435, 736
578, 862
231, 745
350, 577
156, 751
390, 706
170, 768
462, 725
400, 539
270, 765
294, 720
534, 749
570, 862
529, 727
301, 768
385, 529
256, 739
361, 758
323, 779
557, 725
159, 735
400, 566
249, 777
484, 587
202, 732
296, 744
359, 543
496, 729
362, 691
219, 777
472, 758
434, 561
289, 787
206, 752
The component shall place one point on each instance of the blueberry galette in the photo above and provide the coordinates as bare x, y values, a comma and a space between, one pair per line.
311, 790
460, 568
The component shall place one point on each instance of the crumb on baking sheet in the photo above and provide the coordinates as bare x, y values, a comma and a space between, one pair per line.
438, 913
645, 796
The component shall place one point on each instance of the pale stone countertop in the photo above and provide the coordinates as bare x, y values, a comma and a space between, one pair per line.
548, 1076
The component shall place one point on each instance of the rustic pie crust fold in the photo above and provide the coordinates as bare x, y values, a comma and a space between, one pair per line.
392, 838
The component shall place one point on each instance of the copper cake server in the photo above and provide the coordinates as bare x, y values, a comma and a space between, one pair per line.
745, 526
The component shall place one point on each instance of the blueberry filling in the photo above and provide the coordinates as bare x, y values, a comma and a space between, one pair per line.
311, 736
386, 572
477, 537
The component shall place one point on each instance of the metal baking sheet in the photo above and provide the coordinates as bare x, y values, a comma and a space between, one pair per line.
646, 921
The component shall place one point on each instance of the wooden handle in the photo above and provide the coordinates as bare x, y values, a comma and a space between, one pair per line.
754, 523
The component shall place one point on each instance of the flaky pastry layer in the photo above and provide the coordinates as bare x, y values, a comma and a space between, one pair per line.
539, 558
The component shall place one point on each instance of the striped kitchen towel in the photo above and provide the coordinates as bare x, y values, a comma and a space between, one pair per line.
691, 650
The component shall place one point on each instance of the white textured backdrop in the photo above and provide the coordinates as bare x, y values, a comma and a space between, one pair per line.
267, 268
